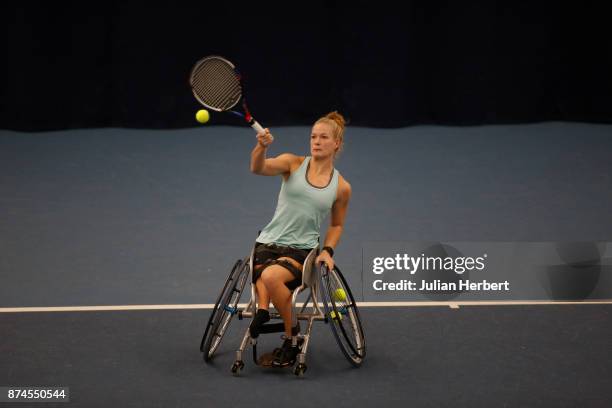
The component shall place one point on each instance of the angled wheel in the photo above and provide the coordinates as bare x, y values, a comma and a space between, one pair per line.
225, 308
342, 315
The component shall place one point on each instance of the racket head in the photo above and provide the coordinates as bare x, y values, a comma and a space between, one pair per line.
215, 83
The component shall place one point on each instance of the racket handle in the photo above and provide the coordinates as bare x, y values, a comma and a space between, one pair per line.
257, 127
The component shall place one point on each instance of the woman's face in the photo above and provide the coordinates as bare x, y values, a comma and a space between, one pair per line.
322, 141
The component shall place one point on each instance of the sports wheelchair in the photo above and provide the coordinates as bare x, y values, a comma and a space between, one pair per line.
329, 299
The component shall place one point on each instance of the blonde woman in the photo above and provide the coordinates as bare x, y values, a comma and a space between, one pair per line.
311, 189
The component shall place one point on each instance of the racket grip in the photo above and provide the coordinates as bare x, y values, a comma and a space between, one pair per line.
257, 127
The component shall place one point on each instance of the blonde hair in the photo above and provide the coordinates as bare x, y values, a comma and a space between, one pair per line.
337, 122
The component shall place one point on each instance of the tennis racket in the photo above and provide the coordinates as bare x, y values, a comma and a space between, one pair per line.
216, 84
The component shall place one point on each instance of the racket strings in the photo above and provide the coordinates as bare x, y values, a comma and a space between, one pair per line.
214, 76
216, 84
216, 95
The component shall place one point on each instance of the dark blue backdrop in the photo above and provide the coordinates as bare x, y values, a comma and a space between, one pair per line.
111, 63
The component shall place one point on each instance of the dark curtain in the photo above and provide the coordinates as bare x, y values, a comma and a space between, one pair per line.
382, 64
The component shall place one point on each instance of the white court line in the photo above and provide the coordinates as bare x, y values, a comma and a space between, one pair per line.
450, 304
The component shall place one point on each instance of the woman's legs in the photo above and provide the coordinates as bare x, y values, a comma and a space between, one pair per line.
263, 297
272, 286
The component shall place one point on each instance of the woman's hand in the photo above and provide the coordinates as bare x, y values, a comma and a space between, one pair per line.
325, 257
265, 139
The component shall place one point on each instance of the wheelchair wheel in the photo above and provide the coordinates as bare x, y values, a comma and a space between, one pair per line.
225, 308
342, 314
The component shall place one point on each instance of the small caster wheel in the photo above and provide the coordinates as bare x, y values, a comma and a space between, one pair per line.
300, 369
237, 367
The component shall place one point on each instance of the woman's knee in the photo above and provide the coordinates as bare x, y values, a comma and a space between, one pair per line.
269, 276
275, 275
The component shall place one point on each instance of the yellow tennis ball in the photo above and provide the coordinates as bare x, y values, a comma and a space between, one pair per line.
339, 295
202, 116
335, 316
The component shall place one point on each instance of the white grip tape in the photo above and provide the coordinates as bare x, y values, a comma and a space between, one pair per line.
257, 127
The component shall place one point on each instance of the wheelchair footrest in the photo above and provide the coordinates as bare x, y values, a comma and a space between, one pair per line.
265, 360
272, 328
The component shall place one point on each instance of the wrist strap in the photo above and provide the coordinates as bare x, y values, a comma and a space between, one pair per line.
329, 250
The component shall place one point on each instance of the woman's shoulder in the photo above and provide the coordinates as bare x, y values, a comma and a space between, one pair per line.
295, 161
344, 188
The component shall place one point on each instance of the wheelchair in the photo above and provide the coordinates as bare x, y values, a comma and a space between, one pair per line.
329, 299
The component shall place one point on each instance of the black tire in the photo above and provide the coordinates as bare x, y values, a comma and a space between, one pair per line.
300, 369
343, 316
237, 368
225, 308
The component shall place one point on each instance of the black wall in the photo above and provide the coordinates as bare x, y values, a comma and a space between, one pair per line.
125, 64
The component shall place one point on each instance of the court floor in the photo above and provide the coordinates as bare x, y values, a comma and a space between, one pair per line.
521, 355
118, 217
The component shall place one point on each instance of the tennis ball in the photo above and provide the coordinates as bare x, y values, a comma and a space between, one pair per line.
339, 295
335, 316
202, 116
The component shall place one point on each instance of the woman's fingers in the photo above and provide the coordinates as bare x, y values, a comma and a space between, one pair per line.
265, 138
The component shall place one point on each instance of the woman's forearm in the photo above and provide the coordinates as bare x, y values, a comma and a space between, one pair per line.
258, 158
333, 236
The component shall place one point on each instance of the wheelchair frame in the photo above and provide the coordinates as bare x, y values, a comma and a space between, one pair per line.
315, 278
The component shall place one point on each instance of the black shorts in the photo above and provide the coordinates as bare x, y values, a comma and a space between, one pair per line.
268, 254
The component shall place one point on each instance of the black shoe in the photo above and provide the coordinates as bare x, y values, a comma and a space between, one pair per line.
295, 330
262, 316
285, 357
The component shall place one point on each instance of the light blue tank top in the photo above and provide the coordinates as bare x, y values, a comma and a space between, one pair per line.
300, 211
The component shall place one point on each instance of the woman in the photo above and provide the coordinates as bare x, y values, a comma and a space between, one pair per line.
311, 188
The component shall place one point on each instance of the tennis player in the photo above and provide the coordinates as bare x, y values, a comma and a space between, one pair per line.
310, 189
